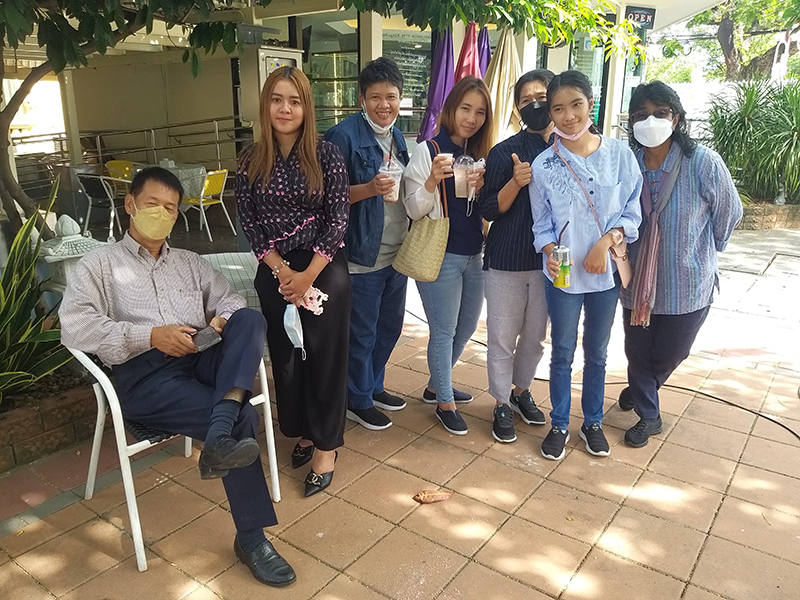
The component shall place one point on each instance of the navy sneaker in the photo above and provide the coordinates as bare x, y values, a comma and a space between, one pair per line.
596, 443
638, 435
458, 396
526, 408
452, 421
625, 400
369, 418
554, 442
503, 424
388, 401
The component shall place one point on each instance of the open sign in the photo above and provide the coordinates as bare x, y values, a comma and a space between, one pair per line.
643, 17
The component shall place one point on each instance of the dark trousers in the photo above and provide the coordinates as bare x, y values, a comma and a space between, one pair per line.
376, 322
311, 394
654, 352
177, 395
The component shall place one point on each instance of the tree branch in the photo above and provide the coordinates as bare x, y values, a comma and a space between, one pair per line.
14, 103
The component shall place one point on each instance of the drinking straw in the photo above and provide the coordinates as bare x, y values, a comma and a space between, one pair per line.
560, 233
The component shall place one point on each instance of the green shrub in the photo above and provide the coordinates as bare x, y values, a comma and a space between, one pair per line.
756, 130
29, 349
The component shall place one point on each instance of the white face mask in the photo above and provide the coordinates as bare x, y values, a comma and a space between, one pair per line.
293, 327
378, 129
652, 132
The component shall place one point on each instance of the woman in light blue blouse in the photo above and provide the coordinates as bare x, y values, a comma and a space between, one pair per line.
586, 186
690, 207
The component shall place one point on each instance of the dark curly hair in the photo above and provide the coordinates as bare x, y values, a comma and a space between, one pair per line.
660, 94
380, 70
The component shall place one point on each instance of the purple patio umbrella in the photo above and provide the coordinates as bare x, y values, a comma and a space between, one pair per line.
484, 50
441, 81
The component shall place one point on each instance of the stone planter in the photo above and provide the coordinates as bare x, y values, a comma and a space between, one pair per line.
770, 216
30, 432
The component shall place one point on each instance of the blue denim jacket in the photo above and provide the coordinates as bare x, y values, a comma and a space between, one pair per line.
363, 156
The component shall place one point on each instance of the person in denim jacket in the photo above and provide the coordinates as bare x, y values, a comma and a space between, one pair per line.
378, 226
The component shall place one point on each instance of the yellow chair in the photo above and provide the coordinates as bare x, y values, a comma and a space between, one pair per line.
120, 169
213, 187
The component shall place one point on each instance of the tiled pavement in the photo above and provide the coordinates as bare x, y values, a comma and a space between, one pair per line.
707, 510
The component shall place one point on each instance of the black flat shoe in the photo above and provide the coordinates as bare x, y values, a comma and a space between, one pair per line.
266, 565
301, 455
226, 453
316, 482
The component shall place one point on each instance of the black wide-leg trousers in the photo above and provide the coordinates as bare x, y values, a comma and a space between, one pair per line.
311, 394
177, 395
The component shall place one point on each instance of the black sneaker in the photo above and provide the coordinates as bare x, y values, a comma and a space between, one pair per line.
458, 396
388, 401
452, 421
553, 444
371, 418
625, 400
596, 443
503, 424
638, 435
525, 407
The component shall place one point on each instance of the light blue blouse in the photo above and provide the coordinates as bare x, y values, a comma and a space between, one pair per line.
612, 177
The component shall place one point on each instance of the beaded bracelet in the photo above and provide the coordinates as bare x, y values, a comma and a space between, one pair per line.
277, 268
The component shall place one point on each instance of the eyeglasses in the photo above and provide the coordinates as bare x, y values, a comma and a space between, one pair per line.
659, 113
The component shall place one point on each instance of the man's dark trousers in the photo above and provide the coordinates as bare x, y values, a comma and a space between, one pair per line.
177, 394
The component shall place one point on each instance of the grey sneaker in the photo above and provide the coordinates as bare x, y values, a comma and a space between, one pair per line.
503, 424
596, 443
525, 407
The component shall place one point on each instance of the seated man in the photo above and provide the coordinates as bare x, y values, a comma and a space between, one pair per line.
136, 304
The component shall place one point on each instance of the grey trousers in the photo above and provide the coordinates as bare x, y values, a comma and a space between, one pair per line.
516, 323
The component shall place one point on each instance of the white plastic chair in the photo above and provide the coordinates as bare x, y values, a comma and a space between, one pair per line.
107, 399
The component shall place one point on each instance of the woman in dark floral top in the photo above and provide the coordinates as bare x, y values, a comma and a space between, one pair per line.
292, 194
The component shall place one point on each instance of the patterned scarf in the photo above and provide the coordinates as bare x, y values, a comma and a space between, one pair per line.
644, 276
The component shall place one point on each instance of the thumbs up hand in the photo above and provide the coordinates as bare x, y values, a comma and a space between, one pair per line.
522, 171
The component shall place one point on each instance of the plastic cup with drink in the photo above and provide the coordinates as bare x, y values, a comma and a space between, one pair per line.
391, 168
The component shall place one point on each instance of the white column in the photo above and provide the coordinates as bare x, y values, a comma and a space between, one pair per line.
69, 108
614, 90
528, 51
370, 36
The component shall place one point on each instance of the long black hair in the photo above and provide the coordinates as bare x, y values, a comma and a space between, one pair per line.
660, 94
572, 79
545, 76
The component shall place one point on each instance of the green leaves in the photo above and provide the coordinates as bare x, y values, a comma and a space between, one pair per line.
28, 348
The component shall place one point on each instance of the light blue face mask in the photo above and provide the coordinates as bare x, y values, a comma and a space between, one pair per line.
293, 327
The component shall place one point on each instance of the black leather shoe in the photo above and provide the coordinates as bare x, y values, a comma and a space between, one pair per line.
266, 565
316, 482
301, 455
226, 453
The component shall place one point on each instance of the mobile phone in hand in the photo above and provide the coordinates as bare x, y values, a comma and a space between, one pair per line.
205, 338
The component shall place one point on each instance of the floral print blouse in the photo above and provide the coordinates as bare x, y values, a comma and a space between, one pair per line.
283, 216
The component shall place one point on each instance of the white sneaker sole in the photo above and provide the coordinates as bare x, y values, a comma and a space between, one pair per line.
354, 417
501, 440
390, 407
588, 449
563, 451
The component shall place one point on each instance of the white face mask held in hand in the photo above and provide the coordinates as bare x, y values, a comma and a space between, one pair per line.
293, 327
652, 132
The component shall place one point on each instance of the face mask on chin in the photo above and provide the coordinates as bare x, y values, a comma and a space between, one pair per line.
378, 129
652, 132
154, 223
535, 115
572, 137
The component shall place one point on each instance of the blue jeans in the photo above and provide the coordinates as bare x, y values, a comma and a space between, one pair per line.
376, 321
565, 311
452, 305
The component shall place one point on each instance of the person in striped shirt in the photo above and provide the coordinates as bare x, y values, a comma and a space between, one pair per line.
690, 208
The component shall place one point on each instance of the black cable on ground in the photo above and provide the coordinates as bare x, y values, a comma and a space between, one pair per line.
672, 387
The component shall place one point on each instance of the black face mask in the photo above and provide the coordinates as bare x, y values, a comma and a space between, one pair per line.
535, 115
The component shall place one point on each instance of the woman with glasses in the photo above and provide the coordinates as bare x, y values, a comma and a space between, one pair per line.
584, 195
690, 208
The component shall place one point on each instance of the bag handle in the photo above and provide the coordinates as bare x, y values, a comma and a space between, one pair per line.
442, 188
580, 183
